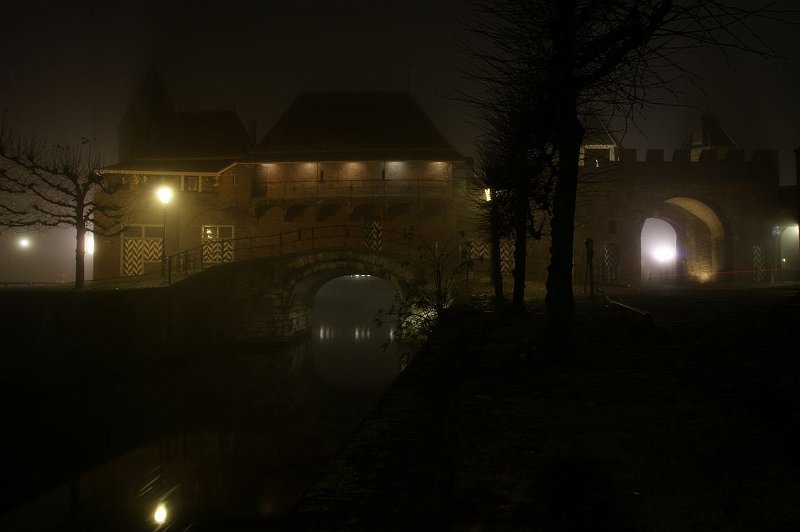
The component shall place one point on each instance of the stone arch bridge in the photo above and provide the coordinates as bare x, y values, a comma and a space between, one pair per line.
263, 288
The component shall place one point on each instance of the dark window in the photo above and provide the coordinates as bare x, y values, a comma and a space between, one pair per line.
153, 231
132, 231
191, 183
210, 183
612, 227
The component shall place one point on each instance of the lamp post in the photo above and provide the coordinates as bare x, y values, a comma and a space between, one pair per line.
164, 195
777, 230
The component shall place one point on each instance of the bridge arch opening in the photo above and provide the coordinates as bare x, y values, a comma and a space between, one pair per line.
347, 343
659, 251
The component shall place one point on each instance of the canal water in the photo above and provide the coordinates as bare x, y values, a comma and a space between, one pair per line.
246, 438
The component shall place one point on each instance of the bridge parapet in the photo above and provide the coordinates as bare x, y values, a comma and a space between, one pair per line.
370, 237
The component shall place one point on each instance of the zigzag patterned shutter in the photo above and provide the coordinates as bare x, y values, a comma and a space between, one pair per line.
217, 251
479, 250
610, 262
506, 256
139, 248
373, 235
759, 264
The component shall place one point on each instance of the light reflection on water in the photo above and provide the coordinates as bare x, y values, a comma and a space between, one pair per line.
284, 414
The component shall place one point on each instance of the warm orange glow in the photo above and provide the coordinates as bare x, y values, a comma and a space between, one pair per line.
160, 514
164, 194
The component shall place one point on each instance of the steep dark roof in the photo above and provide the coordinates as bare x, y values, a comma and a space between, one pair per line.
201, 134
708, 132
597, 133
150, 103
152, 129
354, 126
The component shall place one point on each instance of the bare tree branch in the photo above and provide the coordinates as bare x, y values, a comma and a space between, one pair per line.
55, 186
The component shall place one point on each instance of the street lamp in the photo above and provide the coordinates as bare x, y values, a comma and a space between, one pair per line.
777, 230
164, 195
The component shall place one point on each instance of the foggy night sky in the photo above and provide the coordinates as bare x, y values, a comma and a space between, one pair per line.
69, 70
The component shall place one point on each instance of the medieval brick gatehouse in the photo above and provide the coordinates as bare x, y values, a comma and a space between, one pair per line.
370, 160
374, 160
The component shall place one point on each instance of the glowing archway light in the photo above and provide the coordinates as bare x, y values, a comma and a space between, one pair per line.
664, 253
160, 514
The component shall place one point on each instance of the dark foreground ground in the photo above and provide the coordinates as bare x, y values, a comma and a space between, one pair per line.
688, 423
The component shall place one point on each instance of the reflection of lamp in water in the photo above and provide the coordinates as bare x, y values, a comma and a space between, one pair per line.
160, 515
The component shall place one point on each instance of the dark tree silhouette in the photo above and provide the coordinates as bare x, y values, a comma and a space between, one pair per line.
45, 186
578, 58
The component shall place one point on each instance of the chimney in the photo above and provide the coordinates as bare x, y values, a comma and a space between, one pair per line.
252, 128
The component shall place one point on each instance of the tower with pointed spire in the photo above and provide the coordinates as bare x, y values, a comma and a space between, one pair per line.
150, 108
708, 134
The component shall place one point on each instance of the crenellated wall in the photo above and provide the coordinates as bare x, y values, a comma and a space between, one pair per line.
720, 209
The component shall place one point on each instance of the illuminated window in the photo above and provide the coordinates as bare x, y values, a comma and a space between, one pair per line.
217, 232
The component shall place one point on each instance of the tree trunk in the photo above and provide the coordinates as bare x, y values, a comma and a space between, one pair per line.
520, 242
80, 252
559, 299
495, 257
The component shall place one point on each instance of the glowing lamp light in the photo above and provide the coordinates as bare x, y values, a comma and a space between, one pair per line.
90, 244
160, 514
664, 253
24, 242
487, 194
164, 194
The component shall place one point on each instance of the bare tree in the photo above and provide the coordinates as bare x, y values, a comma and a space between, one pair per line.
606, 57
515, 157
55, 186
